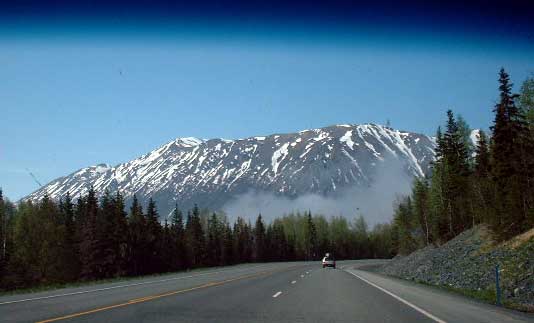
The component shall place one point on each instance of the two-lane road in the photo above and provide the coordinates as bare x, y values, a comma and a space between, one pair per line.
273, 292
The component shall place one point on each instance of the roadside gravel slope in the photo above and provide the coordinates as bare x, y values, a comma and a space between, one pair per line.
467, 263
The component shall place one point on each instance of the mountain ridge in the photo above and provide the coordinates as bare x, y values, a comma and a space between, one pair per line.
211, 172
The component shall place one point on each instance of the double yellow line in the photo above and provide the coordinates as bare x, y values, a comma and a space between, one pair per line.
149, 298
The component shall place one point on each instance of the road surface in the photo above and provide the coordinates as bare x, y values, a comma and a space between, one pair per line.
272, 292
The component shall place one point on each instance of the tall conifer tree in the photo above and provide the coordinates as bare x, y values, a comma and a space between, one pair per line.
259, 239
179, 247
214, 244
89, 245
228, 245
137, 238
512, 163
311, 238
195, 238
153, 233
70, 256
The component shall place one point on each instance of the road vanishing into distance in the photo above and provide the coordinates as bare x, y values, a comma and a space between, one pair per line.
271, 292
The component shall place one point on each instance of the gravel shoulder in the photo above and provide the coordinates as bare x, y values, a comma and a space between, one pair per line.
467, 263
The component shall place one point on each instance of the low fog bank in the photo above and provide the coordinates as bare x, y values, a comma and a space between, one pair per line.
375, 202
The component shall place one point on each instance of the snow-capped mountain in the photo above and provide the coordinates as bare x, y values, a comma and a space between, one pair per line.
212, 172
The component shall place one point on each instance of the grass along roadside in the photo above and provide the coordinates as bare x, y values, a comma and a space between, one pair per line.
488, 296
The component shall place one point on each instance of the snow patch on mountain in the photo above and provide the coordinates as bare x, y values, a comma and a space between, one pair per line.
278, 157
188, 141
347, 139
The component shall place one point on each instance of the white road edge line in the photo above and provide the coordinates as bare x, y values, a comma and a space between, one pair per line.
120, 286
277, 294
415, 307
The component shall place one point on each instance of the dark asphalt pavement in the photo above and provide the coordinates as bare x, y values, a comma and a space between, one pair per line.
273, 292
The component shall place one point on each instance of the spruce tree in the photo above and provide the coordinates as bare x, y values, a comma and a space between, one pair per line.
482, 186
166, 248
243, 241
137, 239
500, 152
311, 238
119, 235
228, 245
188, 239
440, 144
259, 240
438, 193
105, 233
70, 256
249, 242
482, 157
526, 102
179, 248
153, 234
79, 219
456, 163
214, 244
90, 256
195, 238
512, 165
438, 189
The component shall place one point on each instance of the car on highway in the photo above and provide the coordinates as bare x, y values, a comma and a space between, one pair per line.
329, 261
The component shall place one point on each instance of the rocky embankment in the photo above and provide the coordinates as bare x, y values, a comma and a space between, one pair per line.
467, 263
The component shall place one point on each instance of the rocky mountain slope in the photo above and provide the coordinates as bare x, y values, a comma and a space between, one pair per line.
467, 263
211, 172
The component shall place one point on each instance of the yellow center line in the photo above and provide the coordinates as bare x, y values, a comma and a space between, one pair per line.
149, 298
135, 300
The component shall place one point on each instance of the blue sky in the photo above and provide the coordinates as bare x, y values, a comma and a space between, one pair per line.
77, 92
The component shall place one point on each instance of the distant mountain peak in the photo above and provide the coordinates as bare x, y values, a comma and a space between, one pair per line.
212, 172
188, 141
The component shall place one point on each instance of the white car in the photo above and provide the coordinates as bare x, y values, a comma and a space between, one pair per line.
329, 261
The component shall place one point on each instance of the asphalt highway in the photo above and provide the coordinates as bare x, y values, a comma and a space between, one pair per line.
272, 292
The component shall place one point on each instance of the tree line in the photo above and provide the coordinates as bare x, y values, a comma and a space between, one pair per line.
51, 242
491, 182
